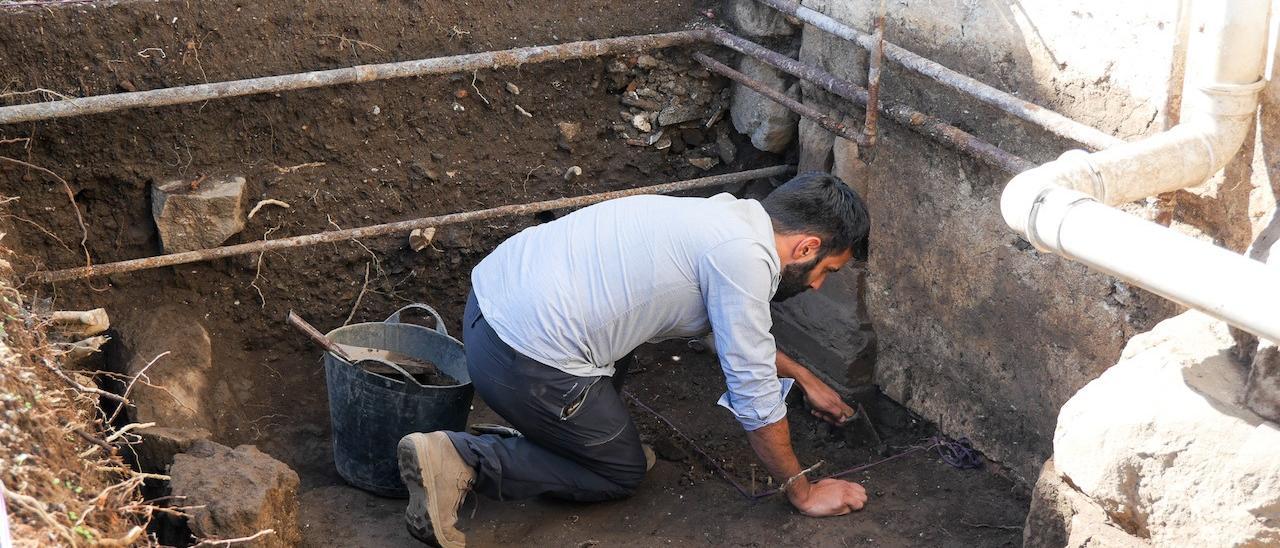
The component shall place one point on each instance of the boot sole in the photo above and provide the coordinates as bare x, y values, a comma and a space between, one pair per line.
416, 516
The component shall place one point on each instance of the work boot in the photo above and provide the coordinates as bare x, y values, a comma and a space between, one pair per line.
437, 480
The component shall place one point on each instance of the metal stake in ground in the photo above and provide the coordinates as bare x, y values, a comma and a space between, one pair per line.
398, 227
873, 82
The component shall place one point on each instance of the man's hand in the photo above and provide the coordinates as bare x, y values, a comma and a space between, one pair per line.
828, 497
823, 402
826, 404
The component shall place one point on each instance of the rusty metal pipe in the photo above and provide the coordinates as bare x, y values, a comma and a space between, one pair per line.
905, 115
397, 227
873, 80
97, 104
828, 123
1052, 121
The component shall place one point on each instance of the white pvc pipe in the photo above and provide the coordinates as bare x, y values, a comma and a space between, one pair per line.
1060, 206
1194, 273
1229, 57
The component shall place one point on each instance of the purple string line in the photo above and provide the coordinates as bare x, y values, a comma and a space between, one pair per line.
934, 442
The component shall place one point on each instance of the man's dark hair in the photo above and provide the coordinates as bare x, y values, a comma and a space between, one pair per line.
822, 205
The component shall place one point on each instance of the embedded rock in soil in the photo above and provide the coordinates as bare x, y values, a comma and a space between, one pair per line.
198, 215
1163, 444
237, 493
172, 349
680, 113
771, 126
756, 20
569, 132
161, 443
703, 163
1061, 517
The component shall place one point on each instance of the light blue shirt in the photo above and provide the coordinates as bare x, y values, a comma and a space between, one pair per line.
583, 291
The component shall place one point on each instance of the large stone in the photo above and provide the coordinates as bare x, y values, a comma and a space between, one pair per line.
756, 20
771, 126
193, 216
1163, 443
170, 354
847, 162
237, 493
1062, 517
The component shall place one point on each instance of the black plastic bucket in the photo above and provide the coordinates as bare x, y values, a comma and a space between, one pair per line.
370, 412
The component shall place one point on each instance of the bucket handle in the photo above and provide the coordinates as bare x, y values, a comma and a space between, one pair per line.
411, 383
395, 316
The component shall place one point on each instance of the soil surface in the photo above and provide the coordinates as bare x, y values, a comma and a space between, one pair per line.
916, 500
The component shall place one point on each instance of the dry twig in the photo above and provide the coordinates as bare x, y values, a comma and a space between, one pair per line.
142, 374
291, 169
230, 541
267, 202
356, 305
474, 75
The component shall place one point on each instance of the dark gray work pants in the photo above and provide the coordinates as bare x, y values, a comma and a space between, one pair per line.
579, 441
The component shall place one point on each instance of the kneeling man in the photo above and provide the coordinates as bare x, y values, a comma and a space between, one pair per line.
555, 309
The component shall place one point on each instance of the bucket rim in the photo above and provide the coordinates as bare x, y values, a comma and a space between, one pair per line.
416, 385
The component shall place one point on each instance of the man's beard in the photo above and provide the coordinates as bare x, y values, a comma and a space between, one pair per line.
795, 280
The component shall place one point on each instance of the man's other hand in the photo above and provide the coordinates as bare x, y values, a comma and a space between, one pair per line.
826, 404
828, 497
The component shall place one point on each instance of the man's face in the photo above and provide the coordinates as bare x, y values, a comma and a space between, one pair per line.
800, 277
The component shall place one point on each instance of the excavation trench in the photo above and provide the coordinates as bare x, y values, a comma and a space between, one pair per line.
363, 154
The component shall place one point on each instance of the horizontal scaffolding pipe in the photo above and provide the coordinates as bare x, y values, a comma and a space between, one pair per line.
828, 123
916, 120
1052, 121
397, 227
363, 73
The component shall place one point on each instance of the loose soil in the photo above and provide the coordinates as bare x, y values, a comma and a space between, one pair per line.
914, 501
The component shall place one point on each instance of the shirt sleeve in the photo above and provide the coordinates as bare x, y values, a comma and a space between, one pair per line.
737, 281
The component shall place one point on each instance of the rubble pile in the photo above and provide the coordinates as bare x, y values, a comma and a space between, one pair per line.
671, 103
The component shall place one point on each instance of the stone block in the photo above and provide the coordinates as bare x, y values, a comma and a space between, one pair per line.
827, 330
161, 443
846, 161
756, 20
193, 216
234, 493
770, 126
1061, 517
173, 351
1162, 442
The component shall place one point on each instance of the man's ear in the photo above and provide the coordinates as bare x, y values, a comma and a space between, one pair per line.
807, 248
